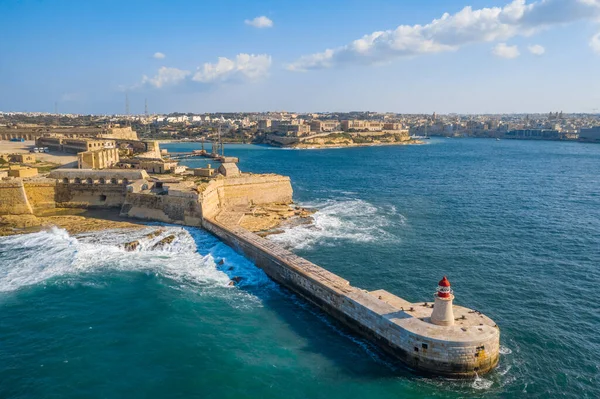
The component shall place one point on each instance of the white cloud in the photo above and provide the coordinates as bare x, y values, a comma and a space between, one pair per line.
166, 76
159, 56
451, 32
536, 49
502, 50
259, 22
244, 66
595, 43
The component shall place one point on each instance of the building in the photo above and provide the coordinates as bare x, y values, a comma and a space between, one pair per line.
107, 176
295, 130
18, 158
533, 134
53, 143
73, 145
22, 171
590, 135
104, 158
161, 166
229, 169
393, 126
318, 126
119, 133
80, 145
362, 125
23, 158
264, 125
205, 172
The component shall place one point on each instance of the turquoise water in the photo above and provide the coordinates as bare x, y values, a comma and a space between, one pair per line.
514, 225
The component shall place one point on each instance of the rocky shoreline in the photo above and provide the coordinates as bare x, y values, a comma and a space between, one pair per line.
73, 223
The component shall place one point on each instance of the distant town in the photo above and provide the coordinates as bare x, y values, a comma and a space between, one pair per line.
308, 129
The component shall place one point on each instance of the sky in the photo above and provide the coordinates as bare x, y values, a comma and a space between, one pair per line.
405, 56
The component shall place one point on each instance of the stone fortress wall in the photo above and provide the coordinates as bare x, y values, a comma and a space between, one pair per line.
19, 197
41, 194
128, 189
13, 198
244, 190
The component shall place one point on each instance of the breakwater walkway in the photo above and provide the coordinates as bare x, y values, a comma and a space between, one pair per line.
468, 347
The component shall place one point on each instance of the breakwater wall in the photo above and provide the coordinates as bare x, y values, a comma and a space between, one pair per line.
450, 351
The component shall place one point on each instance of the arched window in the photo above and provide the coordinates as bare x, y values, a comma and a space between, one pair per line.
101, 180
113, 181
89, 180
77, 180
66, 180
125, 181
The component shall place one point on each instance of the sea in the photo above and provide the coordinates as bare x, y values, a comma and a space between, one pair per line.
515, 225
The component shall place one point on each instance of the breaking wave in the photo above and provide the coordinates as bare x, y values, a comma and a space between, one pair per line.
351, 220
481, 383
190, 258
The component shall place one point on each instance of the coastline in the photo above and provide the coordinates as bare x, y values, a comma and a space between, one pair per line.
339, 145
303, 146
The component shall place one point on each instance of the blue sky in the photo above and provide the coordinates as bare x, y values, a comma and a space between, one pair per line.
403, 56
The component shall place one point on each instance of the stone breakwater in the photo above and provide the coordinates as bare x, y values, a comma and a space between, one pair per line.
400, 328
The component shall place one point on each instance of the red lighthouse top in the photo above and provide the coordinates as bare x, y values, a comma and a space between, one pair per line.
444, 290
444, 282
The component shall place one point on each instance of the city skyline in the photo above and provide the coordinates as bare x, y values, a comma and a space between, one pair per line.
449, 57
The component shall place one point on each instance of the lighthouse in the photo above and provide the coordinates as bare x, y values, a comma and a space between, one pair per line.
442, 314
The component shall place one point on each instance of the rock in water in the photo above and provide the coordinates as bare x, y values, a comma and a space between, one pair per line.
155, 233
165, 241
131, 246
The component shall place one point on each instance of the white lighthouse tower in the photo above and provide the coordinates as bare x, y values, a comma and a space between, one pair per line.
442, 314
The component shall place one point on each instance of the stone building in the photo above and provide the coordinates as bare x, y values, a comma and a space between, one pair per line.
318, 126
205, 172
355, 124
73, 145
79, 145
161, 166
99, 159
293, 130
120, 133
229, 169
393, 126
22, 171
106, 176
24, 158
264, 125
20, 158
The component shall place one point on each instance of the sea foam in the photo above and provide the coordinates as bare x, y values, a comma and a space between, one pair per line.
349, 220
50, 255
